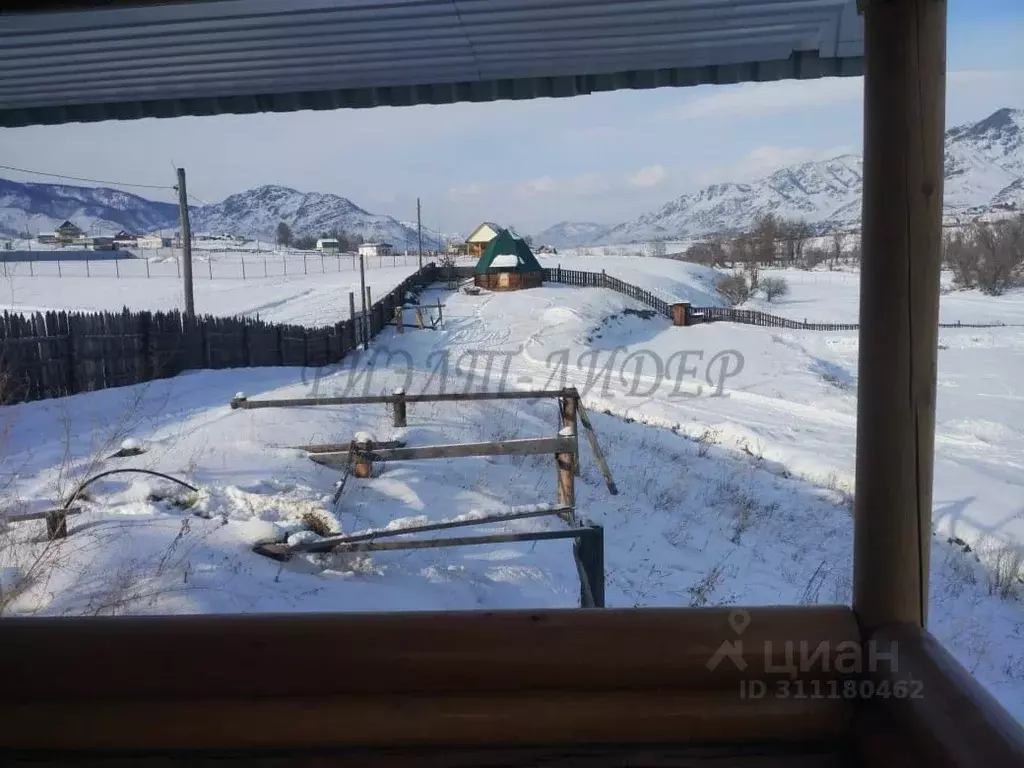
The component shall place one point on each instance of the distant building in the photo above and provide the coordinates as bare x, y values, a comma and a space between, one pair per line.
371, 250
67, 233
125, 239
104, 243
328, 245
152, 241
47, 238
481, 236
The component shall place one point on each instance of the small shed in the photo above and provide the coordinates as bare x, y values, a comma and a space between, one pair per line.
328, 245
508, 264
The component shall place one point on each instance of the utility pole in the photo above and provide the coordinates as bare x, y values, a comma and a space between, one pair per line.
419, 231
186, 245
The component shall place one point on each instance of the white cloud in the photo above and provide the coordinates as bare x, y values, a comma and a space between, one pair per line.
650, 176
465, 191
758, 99
571, 186
761, 161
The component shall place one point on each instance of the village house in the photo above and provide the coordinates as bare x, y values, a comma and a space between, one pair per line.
328, 245
152, 241
372, 250
125, 239
478, 239
67, 233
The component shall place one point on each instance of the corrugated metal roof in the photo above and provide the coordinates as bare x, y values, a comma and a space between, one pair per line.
241, 56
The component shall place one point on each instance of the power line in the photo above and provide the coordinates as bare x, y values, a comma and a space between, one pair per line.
79, 178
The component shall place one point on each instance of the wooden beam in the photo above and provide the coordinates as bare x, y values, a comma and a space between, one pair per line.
326, 544
596, 448
485, 651
317, 720
904, 107
528, 446
444, 397
935, 707
455, 541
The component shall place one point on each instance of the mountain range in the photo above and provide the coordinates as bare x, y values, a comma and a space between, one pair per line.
984, 172
255, 213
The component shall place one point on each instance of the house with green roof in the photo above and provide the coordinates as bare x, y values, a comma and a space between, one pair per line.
508, 264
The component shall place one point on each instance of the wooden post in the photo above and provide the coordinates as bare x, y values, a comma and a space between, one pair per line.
398, 406
440, 314
567, 414
367, 318
904, 106
363, 465
565, 464
352, 314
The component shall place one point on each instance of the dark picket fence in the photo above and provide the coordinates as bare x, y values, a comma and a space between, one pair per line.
603, 280
699, 315
53, 354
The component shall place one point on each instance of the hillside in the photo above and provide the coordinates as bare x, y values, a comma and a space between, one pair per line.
984, 171
255, 213
27, 207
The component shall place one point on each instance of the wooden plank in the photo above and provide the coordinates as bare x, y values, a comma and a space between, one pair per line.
904, 108
523, 447
634, 649
326, 544
248, 404
451, 541
596, 448
530, 718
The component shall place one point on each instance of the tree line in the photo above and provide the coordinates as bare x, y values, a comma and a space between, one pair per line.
987, 255
347, 241
771, 241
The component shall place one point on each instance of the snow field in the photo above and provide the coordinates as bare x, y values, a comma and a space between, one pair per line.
742, 497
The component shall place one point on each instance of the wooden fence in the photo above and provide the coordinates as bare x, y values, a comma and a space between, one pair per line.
53, 354
697, 315
603, 280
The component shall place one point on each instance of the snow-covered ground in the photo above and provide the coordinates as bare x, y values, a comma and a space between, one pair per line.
314, 298
732, 446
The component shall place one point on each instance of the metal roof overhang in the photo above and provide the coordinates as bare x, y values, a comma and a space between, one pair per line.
243, 56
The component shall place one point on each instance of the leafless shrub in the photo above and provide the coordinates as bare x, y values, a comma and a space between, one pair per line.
734, 288
702, 591
708, 438
774, 288
1005, 570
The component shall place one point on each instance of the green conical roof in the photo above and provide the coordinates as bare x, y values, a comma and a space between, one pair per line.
504, 244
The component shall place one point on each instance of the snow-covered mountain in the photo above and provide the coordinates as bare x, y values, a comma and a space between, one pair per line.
254, 213
98, 210
257, 212
569, 233
984, 171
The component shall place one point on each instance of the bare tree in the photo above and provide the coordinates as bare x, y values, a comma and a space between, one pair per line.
795, 233
838, 245
774, 288
734, 288
987, 255
284, 234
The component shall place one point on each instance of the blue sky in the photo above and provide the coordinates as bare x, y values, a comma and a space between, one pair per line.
604, 158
